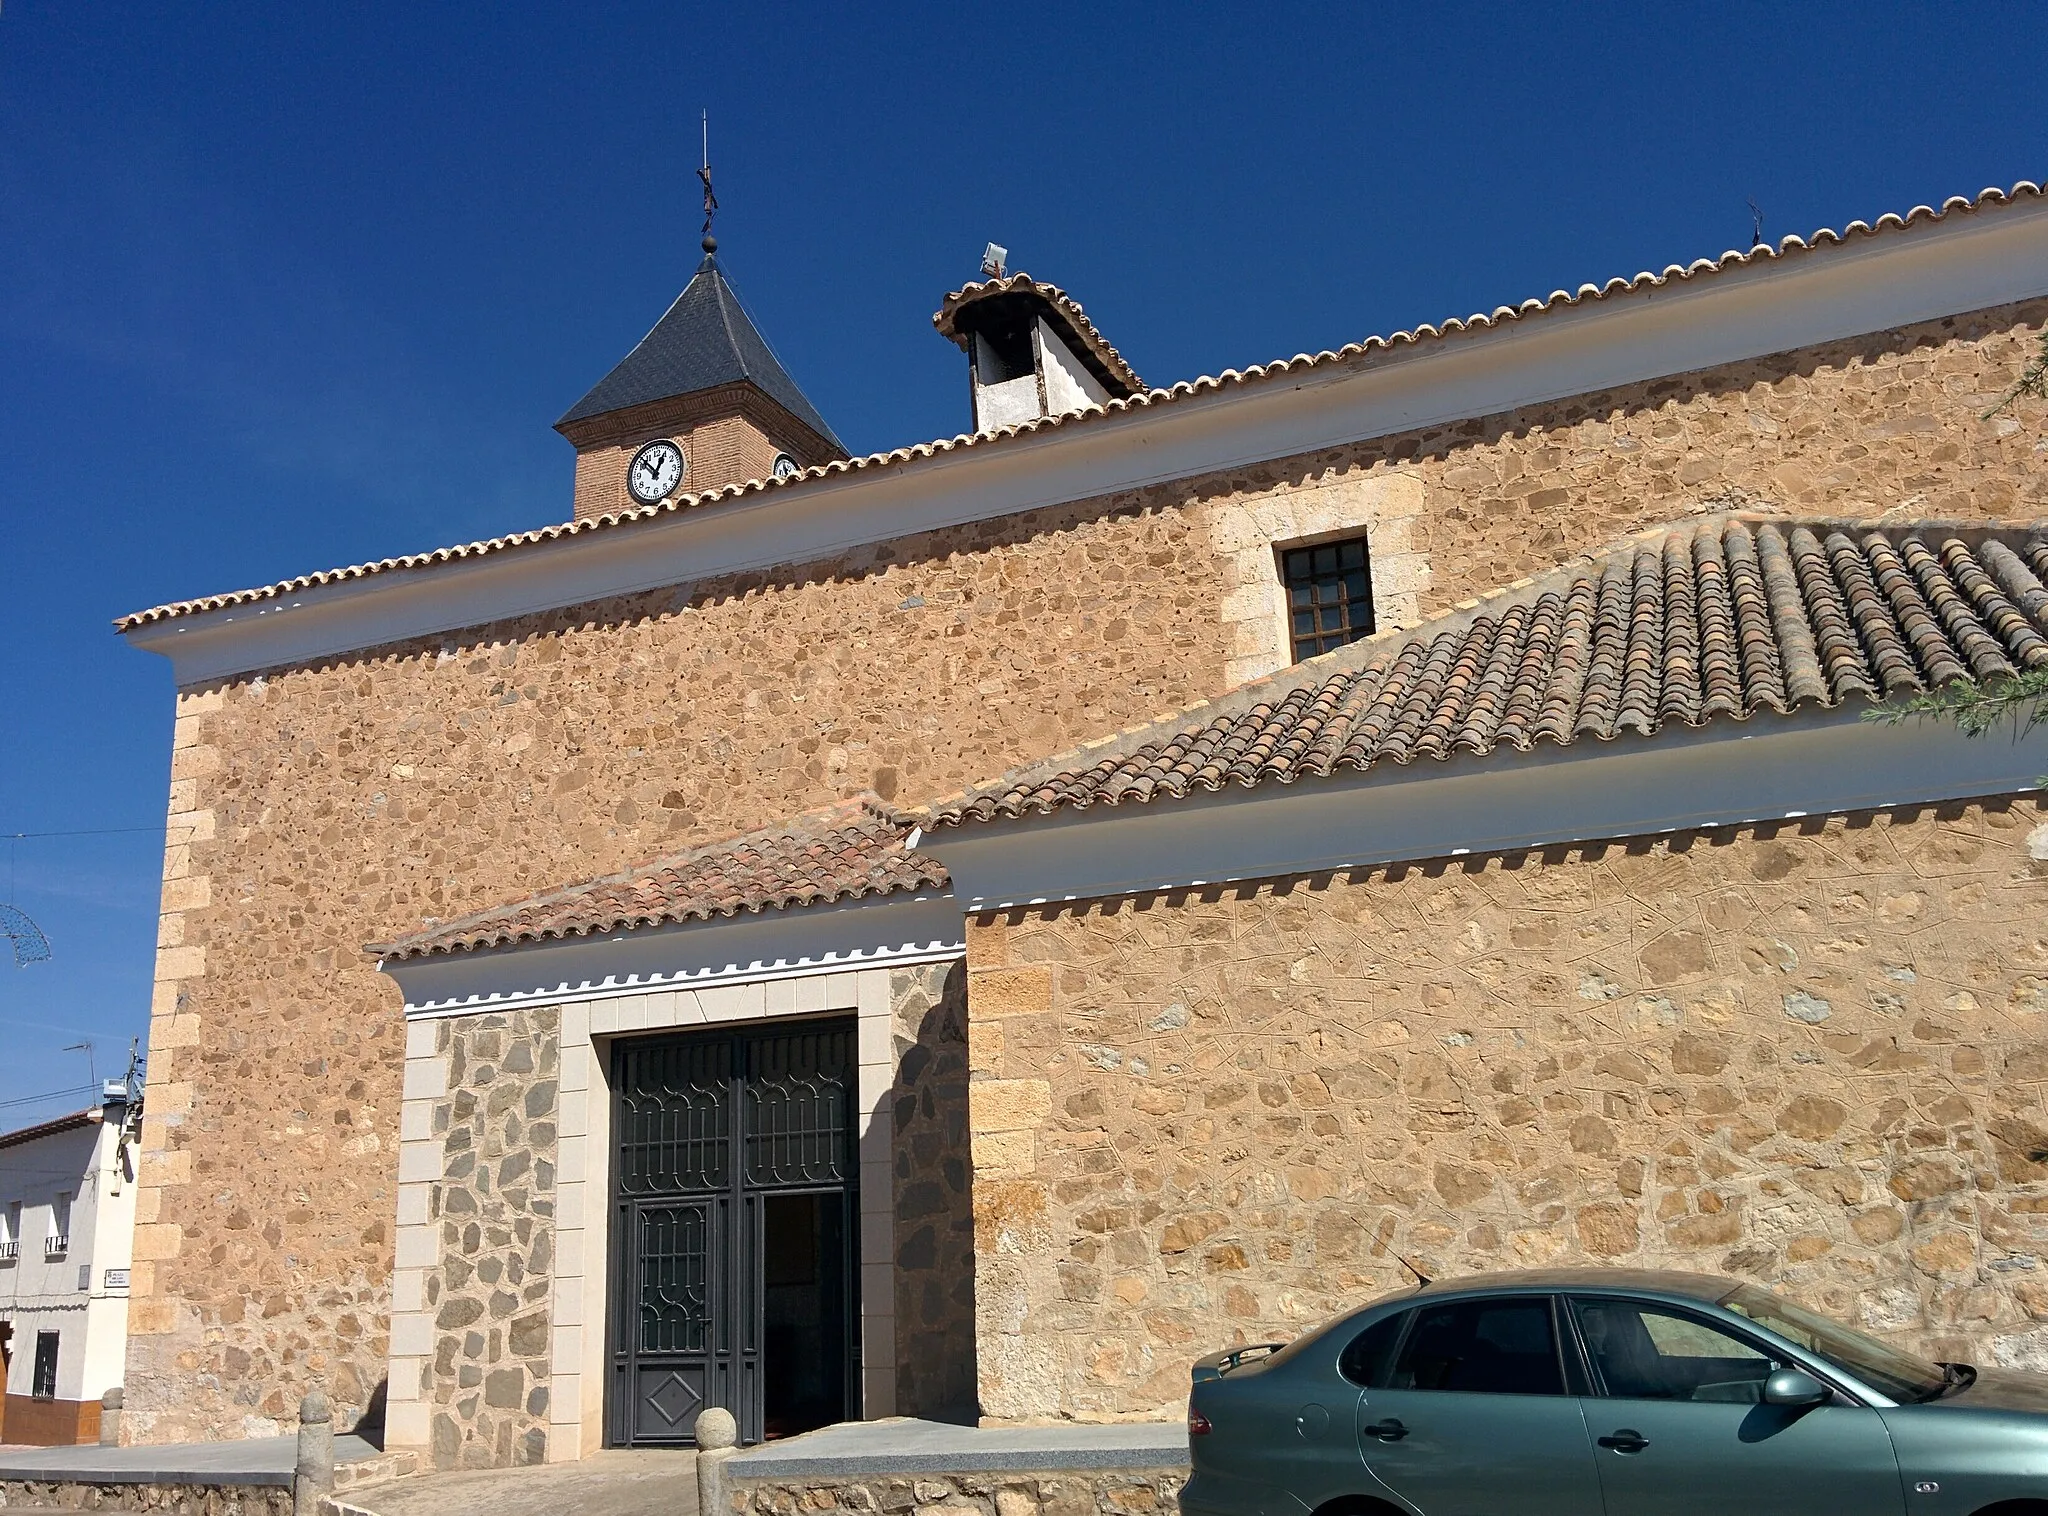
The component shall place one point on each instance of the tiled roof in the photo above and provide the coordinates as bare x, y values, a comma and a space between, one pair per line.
69, 1122
1713, 619
1107, 361
704, 339
847, 851
1791, 247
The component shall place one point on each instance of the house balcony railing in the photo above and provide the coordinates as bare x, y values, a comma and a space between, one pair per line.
10, 1250
56, 1247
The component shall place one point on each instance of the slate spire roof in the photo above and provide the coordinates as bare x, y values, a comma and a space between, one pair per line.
705, 339
1703, 621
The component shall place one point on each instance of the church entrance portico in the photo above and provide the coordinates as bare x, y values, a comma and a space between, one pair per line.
704, 1164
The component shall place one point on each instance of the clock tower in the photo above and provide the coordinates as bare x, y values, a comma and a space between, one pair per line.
700, 403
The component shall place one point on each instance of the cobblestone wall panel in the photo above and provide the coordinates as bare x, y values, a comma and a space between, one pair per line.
1811, 1054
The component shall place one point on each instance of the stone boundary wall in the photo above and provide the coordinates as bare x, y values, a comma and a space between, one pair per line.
163, 1499
315, 808
1071, 1492
1812, 1054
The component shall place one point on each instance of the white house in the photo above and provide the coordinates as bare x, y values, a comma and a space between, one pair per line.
67, 1225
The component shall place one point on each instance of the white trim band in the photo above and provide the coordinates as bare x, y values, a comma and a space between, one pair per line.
793, 944
1728, 774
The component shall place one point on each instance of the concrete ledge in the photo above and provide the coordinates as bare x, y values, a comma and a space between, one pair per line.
256, 1462
907, 1446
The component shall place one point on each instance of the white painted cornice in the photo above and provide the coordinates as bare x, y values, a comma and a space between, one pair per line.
889, 931
1959, 264
1729, 773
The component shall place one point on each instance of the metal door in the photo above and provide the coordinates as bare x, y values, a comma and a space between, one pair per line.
705, 1125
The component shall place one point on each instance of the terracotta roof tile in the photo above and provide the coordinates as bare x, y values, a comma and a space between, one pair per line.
71, 1121
1703, 268
849, 851
1119, 375
1702, 621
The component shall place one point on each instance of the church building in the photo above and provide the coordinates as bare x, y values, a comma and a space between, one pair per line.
961, 931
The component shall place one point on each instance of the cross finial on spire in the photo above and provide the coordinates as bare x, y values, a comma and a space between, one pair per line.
704, 175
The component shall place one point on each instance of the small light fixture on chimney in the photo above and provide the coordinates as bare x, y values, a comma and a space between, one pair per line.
992, 260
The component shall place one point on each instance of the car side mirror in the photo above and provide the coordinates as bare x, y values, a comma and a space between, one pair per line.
1796, 1388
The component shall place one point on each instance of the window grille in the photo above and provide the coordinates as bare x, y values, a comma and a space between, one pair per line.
44, 1385
1329, 595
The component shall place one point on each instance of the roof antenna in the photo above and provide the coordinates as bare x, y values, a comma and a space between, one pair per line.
1756, 226
710, 200
1423, 1280
993, 258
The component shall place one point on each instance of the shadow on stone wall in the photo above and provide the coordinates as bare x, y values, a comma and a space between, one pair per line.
935, 1366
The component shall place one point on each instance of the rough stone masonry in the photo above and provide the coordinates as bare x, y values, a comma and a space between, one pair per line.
1810, 1053
320, 806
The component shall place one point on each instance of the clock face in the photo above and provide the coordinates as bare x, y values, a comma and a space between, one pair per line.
786, 466
656, 471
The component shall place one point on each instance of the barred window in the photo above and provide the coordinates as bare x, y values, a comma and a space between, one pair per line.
1329, 595
43, 1384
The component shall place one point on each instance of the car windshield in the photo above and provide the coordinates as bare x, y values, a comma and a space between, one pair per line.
1898, 1375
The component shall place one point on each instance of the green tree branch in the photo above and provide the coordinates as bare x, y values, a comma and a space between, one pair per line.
2033, 380
1977, 709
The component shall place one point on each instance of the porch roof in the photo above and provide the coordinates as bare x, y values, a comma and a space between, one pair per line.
846, 851
1711, 619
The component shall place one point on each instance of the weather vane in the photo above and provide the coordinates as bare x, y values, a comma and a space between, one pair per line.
704, 174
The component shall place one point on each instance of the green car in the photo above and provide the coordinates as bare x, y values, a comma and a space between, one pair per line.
1623, 1392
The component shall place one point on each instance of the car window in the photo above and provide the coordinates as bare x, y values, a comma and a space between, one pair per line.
1369, 1359
1900, 1375
1642, 1351
1482, 1347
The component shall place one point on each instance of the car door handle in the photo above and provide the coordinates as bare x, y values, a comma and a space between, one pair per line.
1625, 1440
1389, 1430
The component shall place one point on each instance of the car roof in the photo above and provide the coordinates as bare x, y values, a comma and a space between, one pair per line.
1708, 1288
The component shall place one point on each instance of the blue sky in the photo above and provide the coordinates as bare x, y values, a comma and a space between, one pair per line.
287, 287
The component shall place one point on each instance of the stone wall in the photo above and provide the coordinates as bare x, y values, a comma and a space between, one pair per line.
934, 1196
1814, 1055
1076, 1492
492, 1211
45, 1495
316, 808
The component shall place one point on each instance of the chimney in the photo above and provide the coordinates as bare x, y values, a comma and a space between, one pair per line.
1031, 352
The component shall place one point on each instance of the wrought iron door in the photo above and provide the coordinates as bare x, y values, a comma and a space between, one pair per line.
706, 1127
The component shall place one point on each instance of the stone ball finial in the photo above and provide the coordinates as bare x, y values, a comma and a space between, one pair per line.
314, 1407
716, 1429
111, 1401
710, 244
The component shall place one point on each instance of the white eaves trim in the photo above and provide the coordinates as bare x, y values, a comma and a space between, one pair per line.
1960, 264
888, 932
1730, 773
